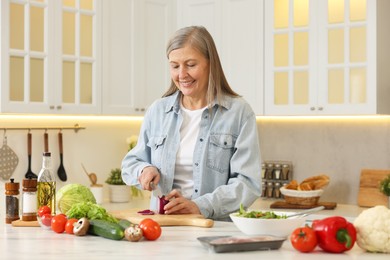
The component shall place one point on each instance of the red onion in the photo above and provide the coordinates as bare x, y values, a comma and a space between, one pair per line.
161, 203
146, 212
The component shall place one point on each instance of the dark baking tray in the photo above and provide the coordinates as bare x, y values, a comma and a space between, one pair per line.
221, 244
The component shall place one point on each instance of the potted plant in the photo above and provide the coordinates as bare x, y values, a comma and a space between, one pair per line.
119, 191
385, 187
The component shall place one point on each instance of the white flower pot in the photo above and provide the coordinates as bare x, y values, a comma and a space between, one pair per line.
119, 193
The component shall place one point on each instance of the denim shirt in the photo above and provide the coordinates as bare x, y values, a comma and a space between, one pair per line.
226, 159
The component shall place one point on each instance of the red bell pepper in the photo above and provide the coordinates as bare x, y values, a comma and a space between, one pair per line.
335, 234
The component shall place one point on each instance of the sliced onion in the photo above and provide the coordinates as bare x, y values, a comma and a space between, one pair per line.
162, 202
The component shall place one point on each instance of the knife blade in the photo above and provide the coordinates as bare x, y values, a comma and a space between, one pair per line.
156, 190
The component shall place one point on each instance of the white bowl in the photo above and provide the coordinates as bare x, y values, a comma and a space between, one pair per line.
272, 227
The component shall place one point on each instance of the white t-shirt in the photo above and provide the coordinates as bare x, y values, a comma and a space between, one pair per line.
189, 131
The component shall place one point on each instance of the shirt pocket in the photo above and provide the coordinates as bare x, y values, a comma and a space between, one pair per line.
221, 148
156, 145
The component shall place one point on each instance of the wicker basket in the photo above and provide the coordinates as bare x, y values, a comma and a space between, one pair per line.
310, 201
296, 197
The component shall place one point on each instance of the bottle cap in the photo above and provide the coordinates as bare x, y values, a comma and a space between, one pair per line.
47, 154
30, 183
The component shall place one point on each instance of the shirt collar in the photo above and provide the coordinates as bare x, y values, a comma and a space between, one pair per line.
174, 102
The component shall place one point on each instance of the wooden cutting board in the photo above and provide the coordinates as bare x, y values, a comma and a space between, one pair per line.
284, 205
164, 220
369, 194
21, 223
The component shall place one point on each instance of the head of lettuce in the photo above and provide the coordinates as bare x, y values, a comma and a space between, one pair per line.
71, 194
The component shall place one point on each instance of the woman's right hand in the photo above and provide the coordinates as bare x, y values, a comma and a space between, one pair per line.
149, 174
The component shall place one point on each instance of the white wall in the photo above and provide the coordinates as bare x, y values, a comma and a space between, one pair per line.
339, 147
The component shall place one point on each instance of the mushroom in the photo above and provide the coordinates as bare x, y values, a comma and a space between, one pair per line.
80, 228
133, 233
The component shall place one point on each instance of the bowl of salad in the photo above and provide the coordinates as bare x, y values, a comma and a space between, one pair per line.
263, 222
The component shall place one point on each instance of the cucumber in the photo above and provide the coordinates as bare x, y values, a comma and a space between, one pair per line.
124, 223
105, 229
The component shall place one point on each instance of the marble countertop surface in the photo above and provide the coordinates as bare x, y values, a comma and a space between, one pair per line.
177, 242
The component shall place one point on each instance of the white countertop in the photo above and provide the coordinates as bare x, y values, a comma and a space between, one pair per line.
178, 242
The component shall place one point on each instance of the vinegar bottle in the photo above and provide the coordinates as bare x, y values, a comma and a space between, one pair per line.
46, 188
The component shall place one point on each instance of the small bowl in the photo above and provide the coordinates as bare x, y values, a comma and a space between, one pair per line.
271, 227
300, 197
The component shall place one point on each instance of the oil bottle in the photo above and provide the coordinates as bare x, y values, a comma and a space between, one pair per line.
46, 188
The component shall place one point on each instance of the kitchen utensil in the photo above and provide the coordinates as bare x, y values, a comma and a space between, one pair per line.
369, 194
92, 176
8, 160
280, 204
29, 173
46, 142
156, 190
164, 220
61, 170
307, 212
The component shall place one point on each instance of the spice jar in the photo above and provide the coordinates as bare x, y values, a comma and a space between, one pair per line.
277, 193
11, 201
269, 171
270, 190
285, 172
29, 199
277, 171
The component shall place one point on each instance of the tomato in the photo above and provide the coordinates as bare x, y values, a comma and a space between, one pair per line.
46, 219
44, 210
58, 223
150, 228
69, 225
304, 239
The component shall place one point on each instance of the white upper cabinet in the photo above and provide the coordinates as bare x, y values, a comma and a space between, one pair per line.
50, 56
321, 57
135, 67
237, 29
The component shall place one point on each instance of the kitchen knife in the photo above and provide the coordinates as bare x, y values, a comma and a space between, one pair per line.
156, 190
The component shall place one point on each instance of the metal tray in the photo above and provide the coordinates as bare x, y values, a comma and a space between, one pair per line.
221, 244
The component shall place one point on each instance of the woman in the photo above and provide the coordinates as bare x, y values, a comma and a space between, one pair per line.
199, 142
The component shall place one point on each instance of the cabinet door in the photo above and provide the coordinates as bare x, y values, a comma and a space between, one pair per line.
320, 57
237, 29
78, 57
347, 60
26, 57
50, 56
290, 57
135, 65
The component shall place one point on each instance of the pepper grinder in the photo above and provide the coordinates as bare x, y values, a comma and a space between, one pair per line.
11, 201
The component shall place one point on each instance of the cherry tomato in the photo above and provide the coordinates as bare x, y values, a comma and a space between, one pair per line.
69, 225
58, 223
150, 228
46, 219
44, 210
304, 239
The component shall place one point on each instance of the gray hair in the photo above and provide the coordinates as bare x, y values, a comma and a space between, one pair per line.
200, 39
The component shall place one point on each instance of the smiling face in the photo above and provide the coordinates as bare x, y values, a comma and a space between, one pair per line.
190, 72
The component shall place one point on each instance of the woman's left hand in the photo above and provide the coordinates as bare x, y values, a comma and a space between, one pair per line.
179, 205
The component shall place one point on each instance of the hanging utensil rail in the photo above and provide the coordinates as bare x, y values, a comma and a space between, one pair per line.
76, 128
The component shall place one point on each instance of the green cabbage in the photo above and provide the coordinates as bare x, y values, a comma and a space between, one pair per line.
71, 194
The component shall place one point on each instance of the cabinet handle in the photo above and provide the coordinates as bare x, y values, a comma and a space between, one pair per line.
51, 107
142, 109
59, 107
312, 108
320, 108
136, 109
